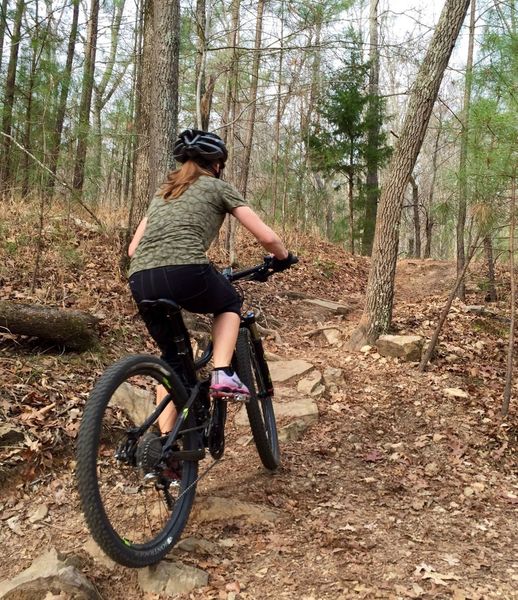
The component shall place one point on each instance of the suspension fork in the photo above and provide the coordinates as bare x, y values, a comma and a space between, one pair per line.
249, 321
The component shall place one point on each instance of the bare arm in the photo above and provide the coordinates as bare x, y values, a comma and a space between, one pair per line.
264, 234
137, 237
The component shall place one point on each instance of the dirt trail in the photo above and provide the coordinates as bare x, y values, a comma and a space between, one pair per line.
417, 279
400, 491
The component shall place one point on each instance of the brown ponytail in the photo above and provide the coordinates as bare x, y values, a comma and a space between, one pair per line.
180, 179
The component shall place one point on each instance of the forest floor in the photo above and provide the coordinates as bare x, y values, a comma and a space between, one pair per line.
399, 491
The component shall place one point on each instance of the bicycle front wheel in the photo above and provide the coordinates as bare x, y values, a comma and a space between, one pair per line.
260, 406
135, 504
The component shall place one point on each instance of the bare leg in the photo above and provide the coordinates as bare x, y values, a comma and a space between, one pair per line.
225, 330
167, 419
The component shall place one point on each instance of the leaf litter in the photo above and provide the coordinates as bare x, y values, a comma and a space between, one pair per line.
379, 516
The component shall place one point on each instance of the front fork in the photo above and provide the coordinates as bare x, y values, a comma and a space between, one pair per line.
249, 321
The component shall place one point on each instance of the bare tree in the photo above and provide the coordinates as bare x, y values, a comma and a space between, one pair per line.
377, 313
3, 24
57, 131
245, 168
463, 181
86, 99
8, 103
372, 182
510, 352
164, 121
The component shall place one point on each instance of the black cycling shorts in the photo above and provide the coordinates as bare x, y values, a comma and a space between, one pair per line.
197, 288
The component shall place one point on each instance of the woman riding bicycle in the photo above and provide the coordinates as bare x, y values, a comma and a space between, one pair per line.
168, 255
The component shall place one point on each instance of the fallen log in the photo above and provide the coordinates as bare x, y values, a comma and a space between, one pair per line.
71, 328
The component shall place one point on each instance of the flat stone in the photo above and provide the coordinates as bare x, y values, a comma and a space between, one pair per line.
310, 383
197, 546
292, 431
171, 578
39, 513
318, 391
283, 370
97, 554
48, 574
333, 336
406, 347
328, 305
455, 393
214, 508
136, 403
305, 409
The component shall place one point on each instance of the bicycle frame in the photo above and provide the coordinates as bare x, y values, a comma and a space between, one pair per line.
198, 389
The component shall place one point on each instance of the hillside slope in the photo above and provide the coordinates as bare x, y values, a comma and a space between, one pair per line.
399, 491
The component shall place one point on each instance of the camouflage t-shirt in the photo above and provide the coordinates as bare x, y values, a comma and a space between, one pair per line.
180, 230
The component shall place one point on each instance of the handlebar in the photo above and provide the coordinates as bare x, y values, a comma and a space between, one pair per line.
258, 273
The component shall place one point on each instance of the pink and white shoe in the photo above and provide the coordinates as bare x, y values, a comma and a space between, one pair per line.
228, 387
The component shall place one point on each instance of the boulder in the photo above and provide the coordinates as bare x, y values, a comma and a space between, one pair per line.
48, 576
170, 578
406, 347
136, 403
214, 508
283, 370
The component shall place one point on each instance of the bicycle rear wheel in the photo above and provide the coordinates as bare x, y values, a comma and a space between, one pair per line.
260, 406
135, 504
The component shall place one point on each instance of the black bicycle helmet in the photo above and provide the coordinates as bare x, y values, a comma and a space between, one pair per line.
201, 146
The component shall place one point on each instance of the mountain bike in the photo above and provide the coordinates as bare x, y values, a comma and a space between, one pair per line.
137, 485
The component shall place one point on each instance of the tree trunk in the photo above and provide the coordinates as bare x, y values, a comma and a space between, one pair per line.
510, 352
71, 328
164, 120
429, 220
3, 23
102, 94
55, 143
372, 183
86, 100
417, 222
143, 98
428, 227
277, 135
377, 314
351, 208
229, 119
202, 35
463, 180
8, 101
245, 169
488, 251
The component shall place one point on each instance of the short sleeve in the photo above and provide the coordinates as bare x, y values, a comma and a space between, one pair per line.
230, 197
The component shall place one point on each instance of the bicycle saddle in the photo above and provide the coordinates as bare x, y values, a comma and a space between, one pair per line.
164, 304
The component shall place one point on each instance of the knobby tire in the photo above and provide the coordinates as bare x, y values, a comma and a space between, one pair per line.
90, 452
260, 406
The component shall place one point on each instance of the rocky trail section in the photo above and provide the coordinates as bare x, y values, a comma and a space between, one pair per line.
394, 484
